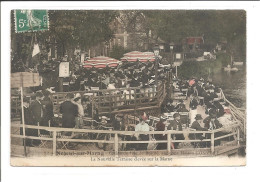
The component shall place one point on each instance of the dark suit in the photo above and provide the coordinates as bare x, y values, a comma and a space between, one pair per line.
216, 125
47, 114
37, 112
69, 111
207, 121
195, 125
176, 125
47, 111
28, 120
160, 127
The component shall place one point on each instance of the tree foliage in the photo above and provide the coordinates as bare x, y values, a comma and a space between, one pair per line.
214, 26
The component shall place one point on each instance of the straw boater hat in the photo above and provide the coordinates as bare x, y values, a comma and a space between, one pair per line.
198, 117
77, 95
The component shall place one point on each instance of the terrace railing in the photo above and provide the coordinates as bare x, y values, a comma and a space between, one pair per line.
110, 101
232, 131
237, 114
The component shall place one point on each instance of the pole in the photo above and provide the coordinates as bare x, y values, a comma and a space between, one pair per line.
238, 136
156, 70
169, 143
176, 71
61, 84
212, 143
24, 140
116, 145
54, 150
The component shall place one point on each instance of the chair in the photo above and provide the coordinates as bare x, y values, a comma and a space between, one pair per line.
44, 142
94, 89
184, 117
201, 99
65, 135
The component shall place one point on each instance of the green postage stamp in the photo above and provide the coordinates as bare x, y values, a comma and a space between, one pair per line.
31, 20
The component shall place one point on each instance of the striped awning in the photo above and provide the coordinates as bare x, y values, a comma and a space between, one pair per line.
137, 55
101, 62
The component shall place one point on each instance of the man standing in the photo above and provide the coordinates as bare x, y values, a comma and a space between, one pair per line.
176, 125
69, 111
37, 109
142, 126
28, 120
47, 109
37, 113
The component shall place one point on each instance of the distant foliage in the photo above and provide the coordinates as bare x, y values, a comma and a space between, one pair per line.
203, 69
117, 52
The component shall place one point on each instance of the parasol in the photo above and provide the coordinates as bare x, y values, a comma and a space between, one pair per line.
137, 55
101, 62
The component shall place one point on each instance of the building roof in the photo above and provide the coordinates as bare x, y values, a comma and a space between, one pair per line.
193, 40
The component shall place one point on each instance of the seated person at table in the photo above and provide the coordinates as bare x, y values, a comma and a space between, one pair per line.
180, 105
160, 126
209, 106
169, 107
184, 117
220, 109
212, 123
176, 125
197, 125
142, 126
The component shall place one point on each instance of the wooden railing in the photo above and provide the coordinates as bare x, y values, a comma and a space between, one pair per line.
113, 100
130, 99
234, 131
237, 114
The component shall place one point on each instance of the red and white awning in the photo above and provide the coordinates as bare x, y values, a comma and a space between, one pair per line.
101, 62
137, 55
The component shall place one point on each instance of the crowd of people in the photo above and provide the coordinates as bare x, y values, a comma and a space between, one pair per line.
73, 109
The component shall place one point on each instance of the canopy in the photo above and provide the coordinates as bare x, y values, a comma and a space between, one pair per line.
137, 55
101, 62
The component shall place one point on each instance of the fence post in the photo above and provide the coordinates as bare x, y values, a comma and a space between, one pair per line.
169, 143
54, 143
116, 144
212, 142
238, 136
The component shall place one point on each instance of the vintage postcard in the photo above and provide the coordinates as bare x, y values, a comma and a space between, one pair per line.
128, 87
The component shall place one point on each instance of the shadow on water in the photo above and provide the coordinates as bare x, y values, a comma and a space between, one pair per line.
233, 85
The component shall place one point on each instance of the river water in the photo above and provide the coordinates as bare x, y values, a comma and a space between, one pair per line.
233, 85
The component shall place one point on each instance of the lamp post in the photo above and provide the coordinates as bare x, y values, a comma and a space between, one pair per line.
107, 46
156, 53
172, 60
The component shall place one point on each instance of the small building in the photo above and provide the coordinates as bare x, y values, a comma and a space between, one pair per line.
193, 43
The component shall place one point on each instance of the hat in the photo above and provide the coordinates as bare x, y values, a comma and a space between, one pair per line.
198, 117
26, 99
38, 94
104, 117
46, 93
176, 115
77, 95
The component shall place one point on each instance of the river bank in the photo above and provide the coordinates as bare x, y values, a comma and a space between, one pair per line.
232, 83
